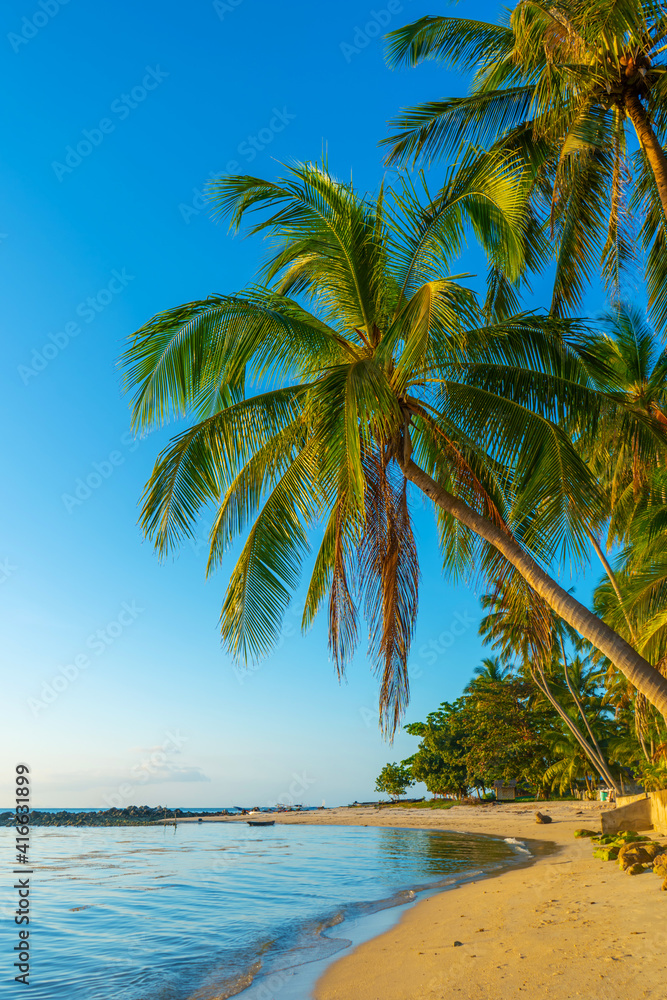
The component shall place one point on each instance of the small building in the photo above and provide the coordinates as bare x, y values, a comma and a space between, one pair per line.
505, 790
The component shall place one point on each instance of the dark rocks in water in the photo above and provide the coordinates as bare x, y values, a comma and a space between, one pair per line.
130, 816
542, 818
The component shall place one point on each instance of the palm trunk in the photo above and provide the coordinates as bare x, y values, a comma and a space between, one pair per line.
604, 766
577, 701
655, 154
638, 671
639, 715
596, 760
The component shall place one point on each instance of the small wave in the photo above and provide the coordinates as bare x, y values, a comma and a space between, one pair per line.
519, 844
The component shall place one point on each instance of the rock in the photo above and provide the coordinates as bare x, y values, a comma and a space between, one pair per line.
632, 854
664, 886
585, 833
542, 818
653, 850
636, 869
606, 853
660, 860
458, 944
660, 870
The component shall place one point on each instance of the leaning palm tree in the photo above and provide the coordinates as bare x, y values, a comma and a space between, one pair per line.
576, 93
358, 369
523, 627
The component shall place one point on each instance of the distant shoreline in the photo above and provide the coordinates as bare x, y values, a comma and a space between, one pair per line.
130, 816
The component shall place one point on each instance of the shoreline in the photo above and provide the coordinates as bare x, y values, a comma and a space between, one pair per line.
359, 924
563, 925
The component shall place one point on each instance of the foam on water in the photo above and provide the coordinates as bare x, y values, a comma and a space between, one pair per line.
519, 844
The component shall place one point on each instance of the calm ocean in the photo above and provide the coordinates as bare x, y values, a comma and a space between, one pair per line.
202, 911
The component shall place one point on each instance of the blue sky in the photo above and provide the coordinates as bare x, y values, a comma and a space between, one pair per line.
116, 688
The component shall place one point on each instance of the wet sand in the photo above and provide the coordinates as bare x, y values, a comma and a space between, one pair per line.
567, 926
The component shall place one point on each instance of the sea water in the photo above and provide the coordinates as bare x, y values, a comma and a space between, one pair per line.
206, 911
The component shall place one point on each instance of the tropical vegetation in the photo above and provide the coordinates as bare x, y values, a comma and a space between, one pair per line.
572, 94
360, 374
394, 780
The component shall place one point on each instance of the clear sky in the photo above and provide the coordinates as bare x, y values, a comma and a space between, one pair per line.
115, 687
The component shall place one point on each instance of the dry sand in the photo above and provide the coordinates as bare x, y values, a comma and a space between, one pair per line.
567, 926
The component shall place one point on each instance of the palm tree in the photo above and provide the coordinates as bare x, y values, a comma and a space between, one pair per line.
322, 411
625, 361
570, 765
627, 454
575, 95
492, 671
520, 624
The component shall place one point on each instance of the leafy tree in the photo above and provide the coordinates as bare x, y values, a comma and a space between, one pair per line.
574, 95
394, 780
440, 761
321, 412
506, 733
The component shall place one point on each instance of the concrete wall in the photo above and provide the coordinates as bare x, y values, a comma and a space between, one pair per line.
637, 812
659, 811
634, 815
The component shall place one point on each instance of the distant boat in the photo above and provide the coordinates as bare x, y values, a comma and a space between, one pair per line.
261, 822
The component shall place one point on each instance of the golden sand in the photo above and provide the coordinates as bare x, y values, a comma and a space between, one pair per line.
566, 926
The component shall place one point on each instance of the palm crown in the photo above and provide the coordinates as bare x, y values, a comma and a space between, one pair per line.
576, 95
316, 412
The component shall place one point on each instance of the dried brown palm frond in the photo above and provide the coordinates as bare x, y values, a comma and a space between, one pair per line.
388, 575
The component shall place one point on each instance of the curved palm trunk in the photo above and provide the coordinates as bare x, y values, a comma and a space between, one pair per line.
639, 715
596, 760
639, 671
606, 770
577, 701
655, 154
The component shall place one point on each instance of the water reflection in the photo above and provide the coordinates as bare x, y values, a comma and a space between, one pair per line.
191, 912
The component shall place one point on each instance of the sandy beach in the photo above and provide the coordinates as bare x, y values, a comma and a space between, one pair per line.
566, 926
